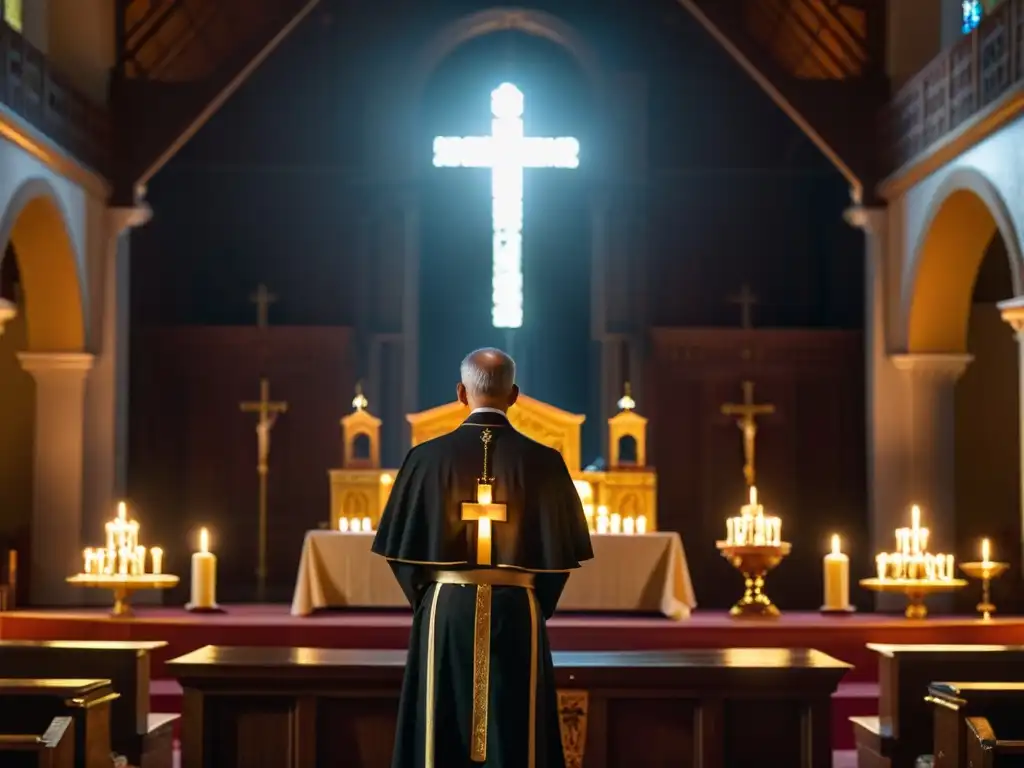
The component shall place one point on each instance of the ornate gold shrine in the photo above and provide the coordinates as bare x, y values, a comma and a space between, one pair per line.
360, 490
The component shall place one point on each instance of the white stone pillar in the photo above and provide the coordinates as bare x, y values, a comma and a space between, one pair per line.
1013, 313
931, 428
57, 472
106, 399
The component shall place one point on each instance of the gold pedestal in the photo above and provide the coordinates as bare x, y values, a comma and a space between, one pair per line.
754, 562
985, 571
123, 587
915, 590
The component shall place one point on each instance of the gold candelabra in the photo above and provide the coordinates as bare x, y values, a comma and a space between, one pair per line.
121, 565
912, 570
754, 546
985, 570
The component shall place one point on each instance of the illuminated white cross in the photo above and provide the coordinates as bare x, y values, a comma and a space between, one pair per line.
506, 152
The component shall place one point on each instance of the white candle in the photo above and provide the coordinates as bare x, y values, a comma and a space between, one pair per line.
123, 556
602, 524
730, 535
881, 561
139, 562
157, 556
616, 523
355, 525
986, 551
628, 525
837, 578
90, 560
949, 567
641, 524
343, 525
367, 524
204, 574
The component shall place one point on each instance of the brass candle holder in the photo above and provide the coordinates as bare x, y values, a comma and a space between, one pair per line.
985, 571
915, 590
754, 562
123, 587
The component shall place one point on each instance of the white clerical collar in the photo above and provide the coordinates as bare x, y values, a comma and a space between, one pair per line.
488, 410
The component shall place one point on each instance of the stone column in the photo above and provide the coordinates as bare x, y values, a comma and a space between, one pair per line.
57, 472
106, 397
1013, 313
931, 429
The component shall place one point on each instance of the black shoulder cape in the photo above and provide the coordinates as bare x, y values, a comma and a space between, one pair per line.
546, 530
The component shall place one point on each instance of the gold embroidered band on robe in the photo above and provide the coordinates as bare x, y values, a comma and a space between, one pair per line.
486, 576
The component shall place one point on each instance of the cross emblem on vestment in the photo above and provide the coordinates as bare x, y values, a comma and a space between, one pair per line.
484, 511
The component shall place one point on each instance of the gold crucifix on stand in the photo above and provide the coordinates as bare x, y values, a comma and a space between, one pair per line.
262, 299
746, 299
268, 411
748, 411
484, 511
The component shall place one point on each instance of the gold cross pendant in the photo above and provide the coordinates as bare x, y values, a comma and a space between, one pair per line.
484, 511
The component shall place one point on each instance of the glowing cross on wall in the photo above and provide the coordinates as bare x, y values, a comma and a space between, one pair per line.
506, 152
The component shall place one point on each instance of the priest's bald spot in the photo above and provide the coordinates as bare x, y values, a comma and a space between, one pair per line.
488, 372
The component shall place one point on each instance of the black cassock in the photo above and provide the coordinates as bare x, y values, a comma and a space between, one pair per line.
479, 685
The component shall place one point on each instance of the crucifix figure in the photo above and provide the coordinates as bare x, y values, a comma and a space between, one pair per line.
262, 298
268, 411
746, 299
747, 413
484, 511
506, 152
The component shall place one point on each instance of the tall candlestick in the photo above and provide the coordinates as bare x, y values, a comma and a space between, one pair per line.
837, 579
204, 575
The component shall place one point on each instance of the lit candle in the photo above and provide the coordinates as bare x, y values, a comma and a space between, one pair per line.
367, 525
90, 560
753, 496
881, 563
628, 525
139, 561
641, 524
355, 525
123, 557
949, 567
602, 524
343, 525
204, 574
157, 556
616, 523
730, 533
985, 551
837, 578
101, 561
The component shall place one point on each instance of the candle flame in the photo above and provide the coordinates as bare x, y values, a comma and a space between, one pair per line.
915, 516
385, 479
986, 550
122, 511
753, 495
835, 544
204, 540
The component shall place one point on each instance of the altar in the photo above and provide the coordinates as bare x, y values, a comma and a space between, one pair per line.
636, 567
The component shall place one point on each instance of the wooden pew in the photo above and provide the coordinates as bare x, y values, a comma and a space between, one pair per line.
53, 748
967, 718
903, 729
144, 738
24, 703
309, 707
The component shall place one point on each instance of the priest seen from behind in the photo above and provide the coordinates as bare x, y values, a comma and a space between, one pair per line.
482, 529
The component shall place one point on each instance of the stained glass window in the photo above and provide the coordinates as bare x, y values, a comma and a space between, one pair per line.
972, 13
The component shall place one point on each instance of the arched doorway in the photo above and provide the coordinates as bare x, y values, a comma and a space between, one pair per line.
39, 273
968, 262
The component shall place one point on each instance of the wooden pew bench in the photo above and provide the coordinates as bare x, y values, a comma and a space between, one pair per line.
146, 739
977, 724
54, 747
25, 703
311, 707
903, 729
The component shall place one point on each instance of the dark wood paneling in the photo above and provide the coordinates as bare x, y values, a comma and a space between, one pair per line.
193, 452
810, 453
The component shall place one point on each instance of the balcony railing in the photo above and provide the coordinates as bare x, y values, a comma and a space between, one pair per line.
956, 85
31, 89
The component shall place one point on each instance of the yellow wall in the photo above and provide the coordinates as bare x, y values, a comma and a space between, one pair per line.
17, 411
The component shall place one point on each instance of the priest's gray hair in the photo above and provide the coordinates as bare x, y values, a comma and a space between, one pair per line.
488, 372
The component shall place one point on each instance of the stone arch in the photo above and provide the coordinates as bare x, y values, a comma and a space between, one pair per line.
525, 20
966, 212
36, 223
